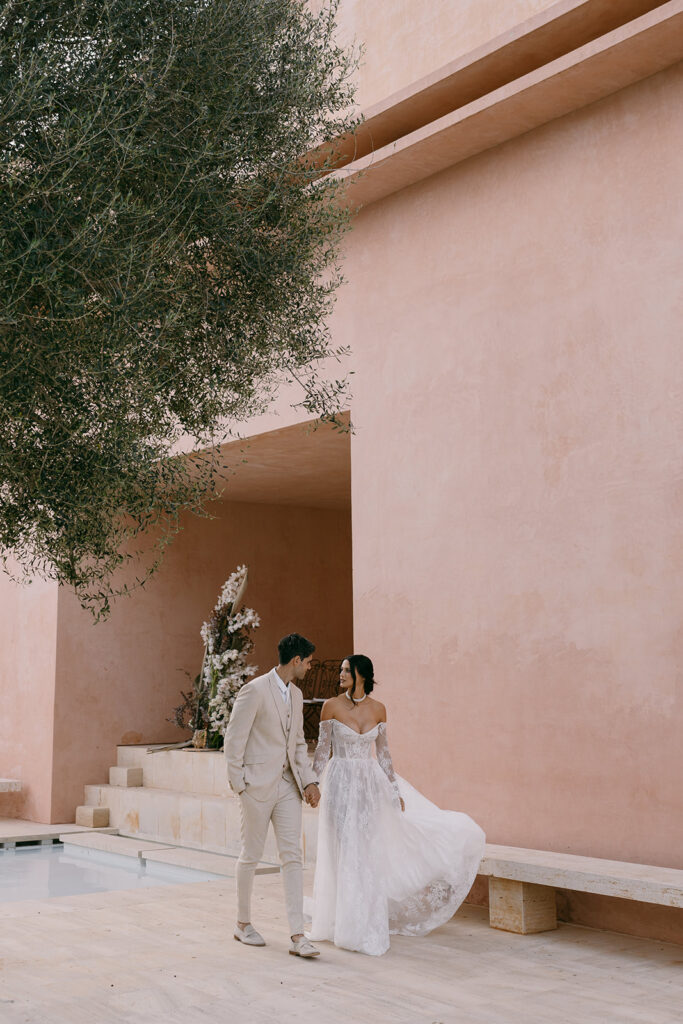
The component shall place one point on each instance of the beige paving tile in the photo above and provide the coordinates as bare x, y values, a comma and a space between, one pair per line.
17, 827
168, 955
16, 830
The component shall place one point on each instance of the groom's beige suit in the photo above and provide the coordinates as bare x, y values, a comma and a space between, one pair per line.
268, 768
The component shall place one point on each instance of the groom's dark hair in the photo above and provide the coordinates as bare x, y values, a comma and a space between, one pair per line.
294, 644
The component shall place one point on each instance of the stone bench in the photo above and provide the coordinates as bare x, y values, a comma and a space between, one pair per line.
10, 786
522, 884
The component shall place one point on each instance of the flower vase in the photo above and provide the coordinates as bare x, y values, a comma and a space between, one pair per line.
199, 739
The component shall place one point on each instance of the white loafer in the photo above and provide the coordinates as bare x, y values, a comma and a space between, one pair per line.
249, 936
302, 947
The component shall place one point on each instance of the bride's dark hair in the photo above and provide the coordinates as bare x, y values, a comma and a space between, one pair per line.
363, 664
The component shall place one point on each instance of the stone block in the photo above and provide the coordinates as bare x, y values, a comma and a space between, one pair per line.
521, 907
120, 776
92, 817
202, 771
147, 811
168, 816
190, 810
309, 836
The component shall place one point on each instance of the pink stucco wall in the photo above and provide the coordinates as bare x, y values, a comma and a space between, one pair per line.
116, 681
28, 633
516, 484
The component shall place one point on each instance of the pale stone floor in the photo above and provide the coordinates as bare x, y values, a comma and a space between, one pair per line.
167, 955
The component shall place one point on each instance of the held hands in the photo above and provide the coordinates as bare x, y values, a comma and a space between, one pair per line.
312, 795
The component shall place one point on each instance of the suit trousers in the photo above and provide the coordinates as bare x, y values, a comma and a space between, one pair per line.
284, 810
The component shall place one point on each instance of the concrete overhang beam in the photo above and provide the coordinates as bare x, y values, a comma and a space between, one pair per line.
643, 47
550, 34
305, 464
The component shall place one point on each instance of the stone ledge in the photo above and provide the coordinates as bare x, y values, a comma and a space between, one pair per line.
199, 822
188, 771
123, 845
149, 851
641, 882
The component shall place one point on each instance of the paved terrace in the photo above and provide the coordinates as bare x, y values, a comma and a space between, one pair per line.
167, 955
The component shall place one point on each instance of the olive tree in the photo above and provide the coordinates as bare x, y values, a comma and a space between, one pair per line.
169, 254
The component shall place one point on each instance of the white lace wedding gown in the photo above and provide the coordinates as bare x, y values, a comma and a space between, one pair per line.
380, 871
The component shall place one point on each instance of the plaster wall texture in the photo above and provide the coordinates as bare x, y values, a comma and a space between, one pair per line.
517, 473
28, 634
406, 39
116, 681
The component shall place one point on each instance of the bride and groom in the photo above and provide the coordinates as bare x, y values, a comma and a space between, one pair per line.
388, 860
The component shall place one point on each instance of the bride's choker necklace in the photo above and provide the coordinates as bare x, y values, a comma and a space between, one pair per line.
353, 699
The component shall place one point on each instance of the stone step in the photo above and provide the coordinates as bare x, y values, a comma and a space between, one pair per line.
198, 821
134, 755
186, 771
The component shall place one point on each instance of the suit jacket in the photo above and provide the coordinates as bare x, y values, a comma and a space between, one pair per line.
258, 746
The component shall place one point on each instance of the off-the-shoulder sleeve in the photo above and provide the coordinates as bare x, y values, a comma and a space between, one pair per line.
322, 751
384, 758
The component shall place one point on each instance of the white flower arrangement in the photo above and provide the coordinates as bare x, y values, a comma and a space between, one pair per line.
227, 642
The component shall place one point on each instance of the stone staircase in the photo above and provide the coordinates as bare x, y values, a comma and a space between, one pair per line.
178, 797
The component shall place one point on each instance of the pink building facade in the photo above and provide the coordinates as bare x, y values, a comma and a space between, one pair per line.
502, 531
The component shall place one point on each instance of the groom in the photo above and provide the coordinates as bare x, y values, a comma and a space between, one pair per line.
268, 768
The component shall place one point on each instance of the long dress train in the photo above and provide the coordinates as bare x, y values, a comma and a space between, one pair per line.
380, 871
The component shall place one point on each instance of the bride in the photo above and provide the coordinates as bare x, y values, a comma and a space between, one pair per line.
389, 861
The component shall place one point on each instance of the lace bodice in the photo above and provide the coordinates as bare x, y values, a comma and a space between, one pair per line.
346, 743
